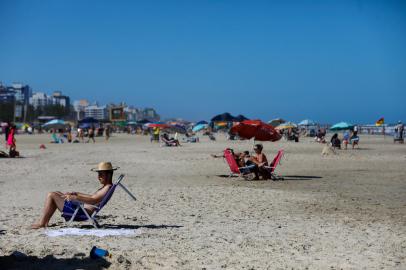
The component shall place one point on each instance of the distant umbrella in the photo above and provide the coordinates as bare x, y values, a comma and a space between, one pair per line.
157, 125
307, 122
200, 127
201, 122
55, 124
276, 122
286, 125
342, 126
177, 128
256, 129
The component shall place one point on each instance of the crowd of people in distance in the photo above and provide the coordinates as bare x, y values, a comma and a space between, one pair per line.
62, 135
257, 162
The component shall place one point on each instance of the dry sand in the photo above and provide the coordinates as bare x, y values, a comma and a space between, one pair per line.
344, 211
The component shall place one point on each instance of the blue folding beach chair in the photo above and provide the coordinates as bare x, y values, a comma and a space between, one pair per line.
80, 213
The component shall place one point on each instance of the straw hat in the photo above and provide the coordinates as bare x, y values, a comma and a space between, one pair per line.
104, 166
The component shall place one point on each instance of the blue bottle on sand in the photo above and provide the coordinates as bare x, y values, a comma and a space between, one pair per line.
96, 253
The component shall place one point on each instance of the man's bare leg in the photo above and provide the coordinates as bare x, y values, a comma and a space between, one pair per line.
53, 201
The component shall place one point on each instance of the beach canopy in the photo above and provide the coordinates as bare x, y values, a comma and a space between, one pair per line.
225, 117
286, 125
276, 122
200, 127
342, 126
307, 122
256, 129
88, 120
55, 124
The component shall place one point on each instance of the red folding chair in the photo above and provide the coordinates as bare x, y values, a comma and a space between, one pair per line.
277, 160
244, 172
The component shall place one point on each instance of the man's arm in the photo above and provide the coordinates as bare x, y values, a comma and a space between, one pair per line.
86, 198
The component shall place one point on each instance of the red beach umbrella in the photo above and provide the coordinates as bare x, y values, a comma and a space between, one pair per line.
256, 129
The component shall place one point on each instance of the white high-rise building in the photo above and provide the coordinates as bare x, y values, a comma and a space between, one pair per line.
97, 112
39, 99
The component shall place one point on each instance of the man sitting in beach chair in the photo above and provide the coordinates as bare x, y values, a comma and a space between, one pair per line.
169, 141
76, 206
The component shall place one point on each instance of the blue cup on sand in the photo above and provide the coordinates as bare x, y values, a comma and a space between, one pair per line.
96, 253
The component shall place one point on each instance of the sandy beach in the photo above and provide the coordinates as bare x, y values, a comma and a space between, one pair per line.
344, 211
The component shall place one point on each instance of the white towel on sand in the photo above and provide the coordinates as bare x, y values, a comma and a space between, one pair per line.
93, 232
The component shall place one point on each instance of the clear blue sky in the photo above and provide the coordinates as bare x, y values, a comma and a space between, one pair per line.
324, 60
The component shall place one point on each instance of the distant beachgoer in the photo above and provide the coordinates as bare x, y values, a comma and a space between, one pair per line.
11, 141
399, 129
169, 141
355, 130
69, 136
354, 140
91, 135
346, 139
64, 201
335, 141
107, 132
81, 135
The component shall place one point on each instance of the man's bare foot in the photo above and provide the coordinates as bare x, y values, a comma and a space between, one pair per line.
37, 226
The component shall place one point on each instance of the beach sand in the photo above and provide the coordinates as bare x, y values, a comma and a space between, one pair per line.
344, 211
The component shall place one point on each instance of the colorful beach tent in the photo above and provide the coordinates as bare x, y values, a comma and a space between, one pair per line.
256, 129
342, 126
200, 127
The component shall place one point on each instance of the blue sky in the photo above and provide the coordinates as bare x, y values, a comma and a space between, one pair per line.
324, 60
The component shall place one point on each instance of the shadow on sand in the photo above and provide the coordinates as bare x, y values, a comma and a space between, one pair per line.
19, 260
149, 226
300, 177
